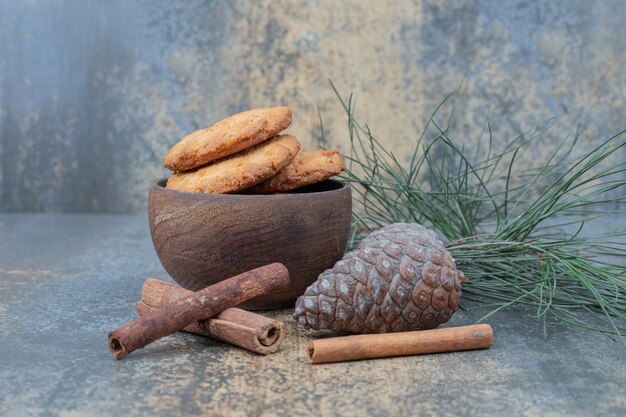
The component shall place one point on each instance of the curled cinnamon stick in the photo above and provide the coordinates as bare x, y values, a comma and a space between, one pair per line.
202, 304
370, 346
242, 328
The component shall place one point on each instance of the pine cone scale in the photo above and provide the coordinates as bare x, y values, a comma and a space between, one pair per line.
398, 278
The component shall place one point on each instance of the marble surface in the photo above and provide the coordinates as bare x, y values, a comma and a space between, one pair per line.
66, 280
93, 93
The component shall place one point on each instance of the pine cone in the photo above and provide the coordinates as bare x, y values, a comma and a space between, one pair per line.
398, 278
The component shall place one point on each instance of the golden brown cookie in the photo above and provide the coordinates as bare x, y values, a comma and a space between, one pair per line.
229, 136
307, 168
239, 171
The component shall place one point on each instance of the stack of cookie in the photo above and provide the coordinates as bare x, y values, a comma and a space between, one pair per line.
245, 152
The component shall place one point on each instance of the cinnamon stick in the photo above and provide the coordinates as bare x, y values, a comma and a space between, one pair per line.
202, 304
242, 328
370, 346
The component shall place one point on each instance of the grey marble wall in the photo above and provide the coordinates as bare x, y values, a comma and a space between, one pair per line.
93, 93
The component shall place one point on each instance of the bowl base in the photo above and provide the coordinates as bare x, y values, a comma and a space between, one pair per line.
252, 306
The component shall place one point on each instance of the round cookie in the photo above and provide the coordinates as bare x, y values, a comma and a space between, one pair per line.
227, 137
239, 171
307, 168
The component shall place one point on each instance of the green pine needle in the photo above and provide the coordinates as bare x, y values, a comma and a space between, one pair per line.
504, 225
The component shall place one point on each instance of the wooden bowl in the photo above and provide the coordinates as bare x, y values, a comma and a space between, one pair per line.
202, 239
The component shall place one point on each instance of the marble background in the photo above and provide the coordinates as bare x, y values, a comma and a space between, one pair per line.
93, 93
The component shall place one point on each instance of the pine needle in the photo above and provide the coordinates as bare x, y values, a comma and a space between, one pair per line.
505, 226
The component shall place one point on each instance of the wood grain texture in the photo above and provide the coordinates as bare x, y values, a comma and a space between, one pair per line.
207, 302
202, 239
238, 327
371, 346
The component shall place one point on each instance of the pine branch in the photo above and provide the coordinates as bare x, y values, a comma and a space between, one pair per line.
505, 226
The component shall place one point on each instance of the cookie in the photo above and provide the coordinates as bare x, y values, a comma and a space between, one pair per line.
229, 136
241, 171
307, 168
